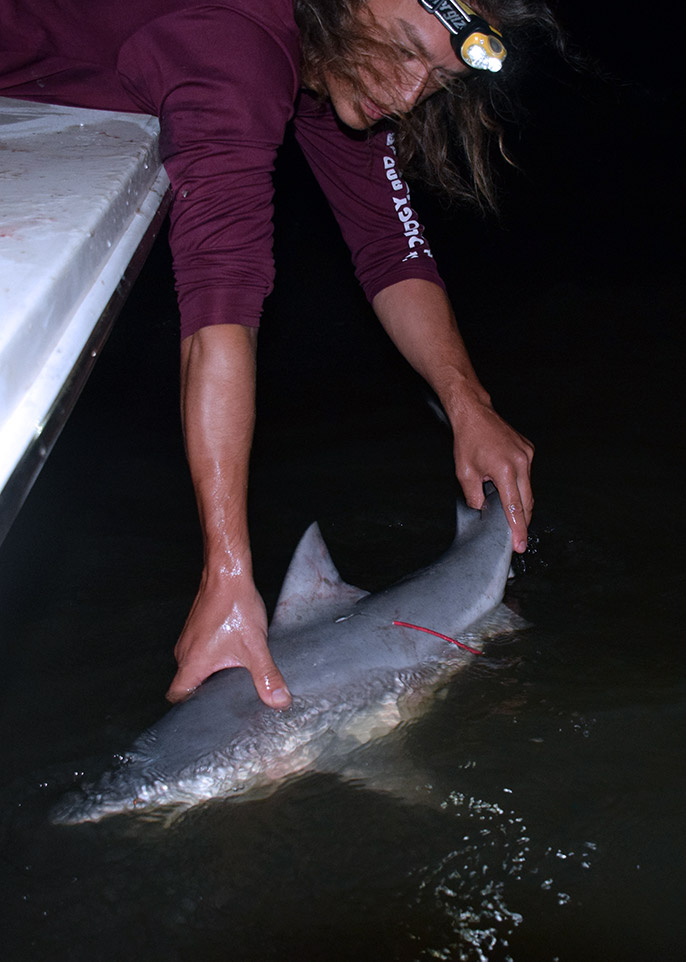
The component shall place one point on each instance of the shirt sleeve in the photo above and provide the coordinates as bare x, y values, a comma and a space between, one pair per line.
223, 89
371, 203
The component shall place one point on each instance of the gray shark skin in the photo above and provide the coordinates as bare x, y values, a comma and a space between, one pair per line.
349, 668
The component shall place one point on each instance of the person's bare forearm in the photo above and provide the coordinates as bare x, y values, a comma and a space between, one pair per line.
419, 319
218, 414
227, 625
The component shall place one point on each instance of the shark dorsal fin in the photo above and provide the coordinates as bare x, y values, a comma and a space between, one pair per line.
312, 584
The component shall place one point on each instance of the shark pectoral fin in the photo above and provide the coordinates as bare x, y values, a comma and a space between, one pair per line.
312, 582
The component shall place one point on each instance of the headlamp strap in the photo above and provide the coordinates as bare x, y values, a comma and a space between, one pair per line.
450, 15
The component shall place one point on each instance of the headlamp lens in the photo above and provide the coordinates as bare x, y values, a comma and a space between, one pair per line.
483, 52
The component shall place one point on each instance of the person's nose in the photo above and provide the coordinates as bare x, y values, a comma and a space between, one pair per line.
414, 85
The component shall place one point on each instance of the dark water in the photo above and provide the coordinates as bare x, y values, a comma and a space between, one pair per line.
538, 808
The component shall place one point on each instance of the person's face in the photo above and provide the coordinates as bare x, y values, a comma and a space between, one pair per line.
430, 62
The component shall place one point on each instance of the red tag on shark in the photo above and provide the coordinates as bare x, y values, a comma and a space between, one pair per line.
430, 631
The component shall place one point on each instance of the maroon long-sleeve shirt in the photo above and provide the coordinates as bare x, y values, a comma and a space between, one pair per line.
223, 78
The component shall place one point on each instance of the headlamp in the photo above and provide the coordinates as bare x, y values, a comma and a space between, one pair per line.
475, 42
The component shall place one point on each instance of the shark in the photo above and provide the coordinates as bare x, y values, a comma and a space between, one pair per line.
357, 665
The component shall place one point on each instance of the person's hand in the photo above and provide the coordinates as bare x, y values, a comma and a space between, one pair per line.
227, 628
486, 448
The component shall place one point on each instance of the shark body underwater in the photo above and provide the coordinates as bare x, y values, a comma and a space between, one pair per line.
350, 669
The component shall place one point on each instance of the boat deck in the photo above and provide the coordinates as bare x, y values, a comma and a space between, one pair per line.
82, 195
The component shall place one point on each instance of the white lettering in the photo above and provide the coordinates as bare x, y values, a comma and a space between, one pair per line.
411, 226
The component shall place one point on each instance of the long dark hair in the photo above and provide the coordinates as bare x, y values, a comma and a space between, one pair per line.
448, 139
